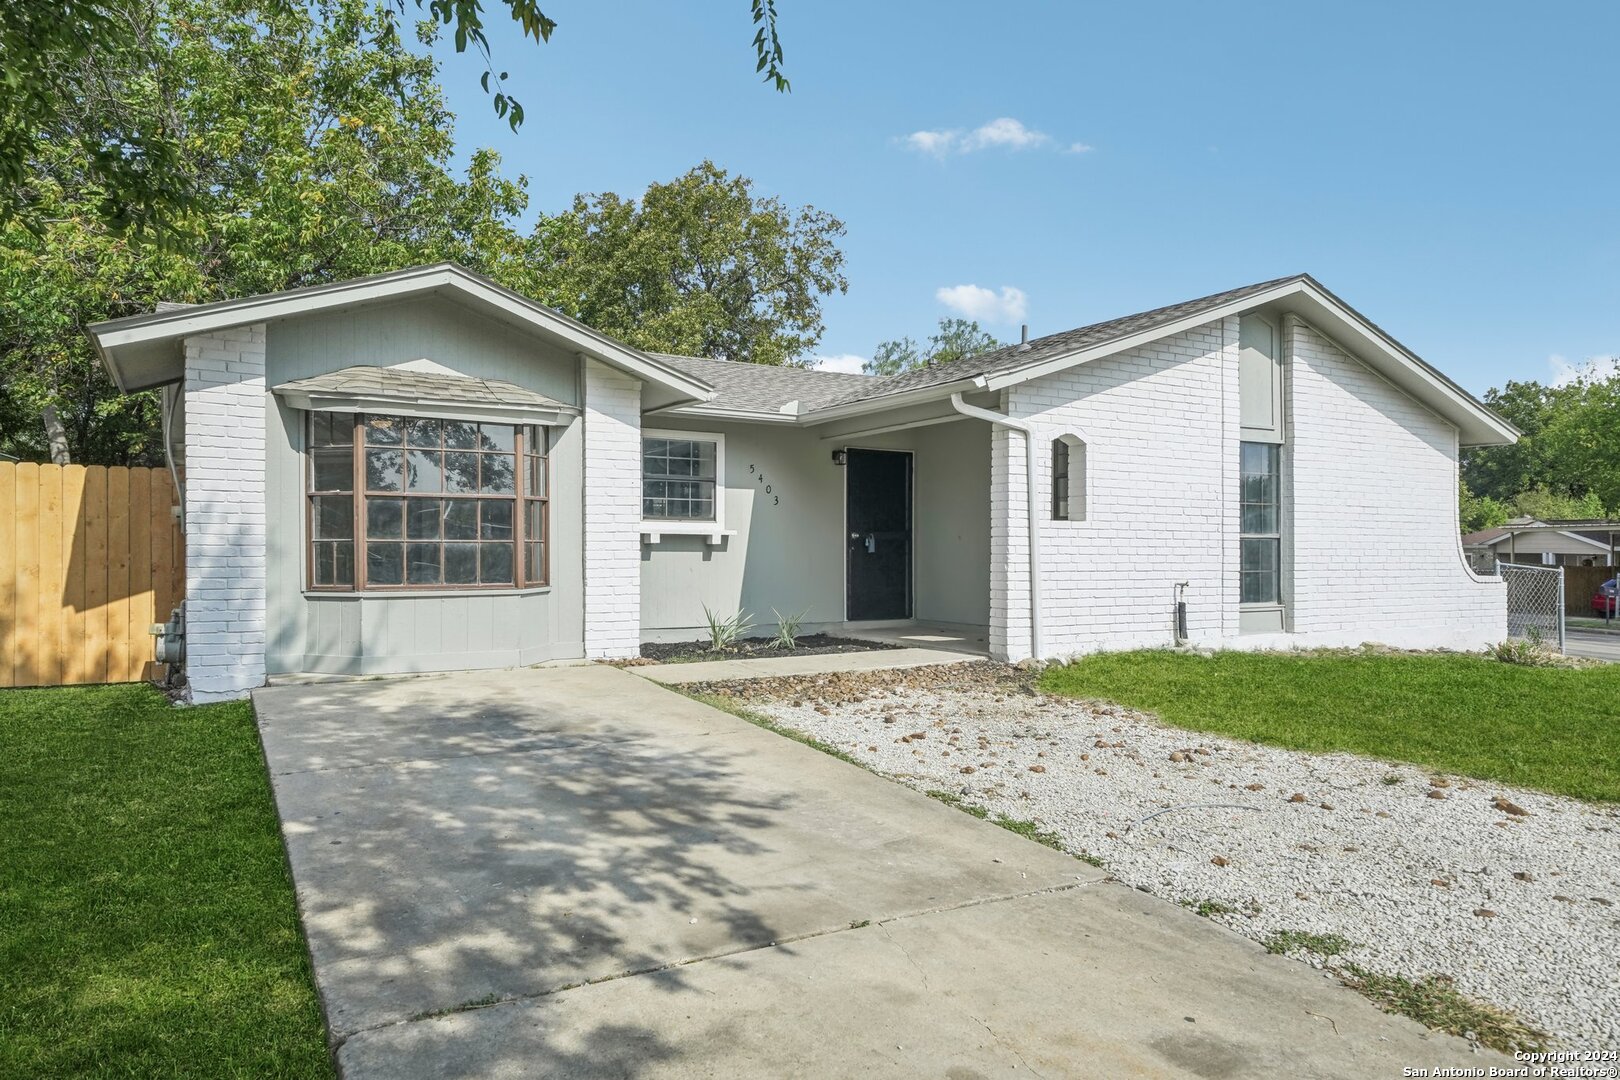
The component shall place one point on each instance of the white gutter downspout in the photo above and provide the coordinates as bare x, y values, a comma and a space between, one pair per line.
169, 403
1034, 513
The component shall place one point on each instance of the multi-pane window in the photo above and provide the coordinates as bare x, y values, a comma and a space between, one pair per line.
1260, 542
1068, 479
678, 479
416, 503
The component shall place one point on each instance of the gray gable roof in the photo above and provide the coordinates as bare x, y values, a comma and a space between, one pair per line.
405, 384
766, 388
1068, 341
746, 387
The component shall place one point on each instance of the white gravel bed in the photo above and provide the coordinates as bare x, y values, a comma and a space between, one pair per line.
1522, 911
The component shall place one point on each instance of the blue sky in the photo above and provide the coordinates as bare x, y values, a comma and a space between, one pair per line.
1452, 170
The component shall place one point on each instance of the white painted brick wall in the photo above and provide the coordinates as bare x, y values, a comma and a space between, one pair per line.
225, 513
1371, 469
1159, 493
612, 418
1009, 547
1376, 551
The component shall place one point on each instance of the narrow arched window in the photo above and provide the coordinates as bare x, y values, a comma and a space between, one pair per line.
1068, 479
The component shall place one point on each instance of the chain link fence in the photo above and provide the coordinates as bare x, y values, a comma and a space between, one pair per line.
1535, 602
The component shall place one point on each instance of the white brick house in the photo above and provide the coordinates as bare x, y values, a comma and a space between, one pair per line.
424, 471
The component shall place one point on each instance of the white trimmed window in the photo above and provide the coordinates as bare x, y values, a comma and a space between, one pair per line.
682, 481
1068, 478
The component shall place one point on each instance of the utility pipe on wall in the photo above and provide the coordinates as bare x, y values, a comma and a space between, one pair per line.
999, 420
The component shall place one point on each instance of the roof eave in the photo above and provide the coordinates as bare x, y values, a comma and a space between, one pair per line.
882, 402
112, 335
1476, 424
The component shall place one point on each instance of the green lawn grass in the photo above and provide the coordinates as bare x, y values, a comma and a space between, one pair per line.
147, 924
1556, 729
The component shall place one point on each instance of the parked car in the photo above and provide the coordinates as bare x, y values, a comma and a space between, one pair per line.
1603, 601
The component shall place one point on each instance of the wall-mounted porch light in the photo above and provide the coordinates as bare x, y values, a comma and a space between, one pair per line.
839, 457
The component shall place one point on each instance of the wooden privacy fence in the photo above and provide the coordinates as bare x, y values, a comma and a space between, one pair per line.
1580, 582
90, 557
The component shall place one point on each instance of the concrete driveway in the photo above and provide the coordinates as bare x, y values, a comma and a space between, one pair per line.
575, 873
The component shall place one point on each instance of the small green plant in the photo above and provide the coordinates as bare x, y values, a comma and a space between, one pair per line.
1390, 779
1206, 908
787, 629
724, 633
1435, 1002
1287, 941
955, 801
1091, 860
1528, 652
1030, 831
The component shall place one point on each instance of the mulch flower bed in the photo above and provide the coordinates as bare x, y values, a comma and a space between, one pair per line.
680, 652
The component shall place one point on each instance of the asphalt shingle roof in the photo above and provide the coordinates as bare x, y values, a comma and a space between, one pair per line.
1068, 341
763, 388
408, 385
768, 387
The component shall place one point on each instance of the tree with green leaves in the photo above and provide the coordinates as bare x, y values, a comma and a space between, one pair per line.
700, 265
58, 54
956, 339
307, 167
1566, 463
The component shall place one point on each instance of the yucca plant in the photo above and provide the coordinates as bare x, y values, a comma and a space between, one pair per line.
725, 632
787, 629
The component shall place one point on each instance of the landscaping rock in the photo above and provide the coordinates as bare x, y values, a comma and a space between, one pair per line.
1358, 874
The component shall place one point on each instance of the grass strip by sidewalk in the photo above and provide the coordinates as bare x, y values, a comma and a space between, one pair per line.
147, 922
1553, 729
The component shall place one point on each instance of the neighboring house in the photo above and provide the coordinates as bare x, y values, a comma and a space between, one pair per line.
422, 471
1573, 542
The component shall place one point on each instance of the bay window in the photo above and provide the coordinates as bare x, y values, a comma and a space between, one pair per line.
413, 503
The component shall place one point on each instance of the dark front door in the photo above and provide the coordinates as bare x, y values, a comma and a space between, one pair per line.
877, 519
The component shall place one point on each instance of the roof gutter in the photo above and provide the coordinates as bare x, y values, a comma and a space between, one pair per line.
999, 420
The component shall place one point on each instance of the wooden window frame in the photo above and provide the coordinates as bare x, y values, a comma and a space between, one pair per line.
520, 500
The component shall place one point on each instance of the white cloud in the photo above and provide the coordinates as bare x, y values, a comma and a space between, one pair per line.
937, 143
847, 363
1002, 133
974, 302
1596, 367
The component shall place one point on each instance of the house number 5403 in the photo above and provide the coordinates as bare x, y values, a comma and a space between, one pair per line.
759, 477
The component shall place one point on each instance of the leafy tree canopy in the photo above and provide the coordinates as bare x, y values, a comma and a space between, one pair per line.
957, 339
1567, 463
55, 54
309, 168
700, 266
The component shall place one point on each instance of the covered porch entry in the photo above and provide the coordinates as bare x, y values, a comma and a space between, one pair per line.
876, 530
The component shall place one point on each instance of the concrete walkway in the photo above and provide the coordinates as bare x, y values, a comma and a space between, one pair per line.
772, 666
576, 873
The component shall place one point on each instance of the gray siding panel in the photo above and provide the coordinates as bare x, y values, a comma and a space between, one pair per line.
376, 634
